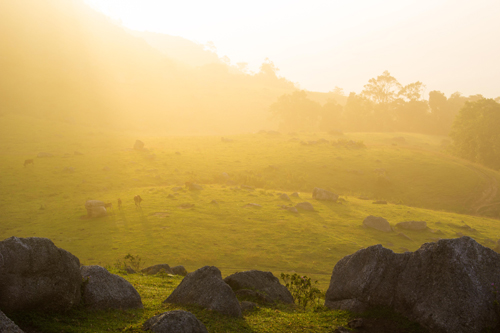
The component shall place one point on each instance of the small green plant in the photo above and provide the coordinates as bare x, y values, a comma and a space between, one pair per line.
129, 261
135, 262
302, 289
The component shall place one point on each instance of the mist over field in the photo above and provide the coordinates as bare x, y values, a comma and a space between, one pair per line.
132, 148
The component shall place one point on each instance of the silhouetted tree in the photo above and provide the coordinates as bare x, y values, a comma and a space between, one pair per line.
475, 132
331, 115
296, 112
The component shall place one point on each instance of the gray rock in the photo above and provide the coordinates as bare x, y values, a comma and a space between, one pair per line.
205, 287
285, 197
247, 306
37, 275
177, 321
95, 208
138, 145
179, 270
294, 194
195, 187
446, 286
7, 325
246, 294
380, 202
412, 225
103, 290
264, 282
152, 270
305, 206
320, 194
378, 223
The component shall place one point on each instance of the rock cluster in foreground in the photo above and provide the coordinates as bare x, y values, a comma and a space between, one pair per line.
446, 286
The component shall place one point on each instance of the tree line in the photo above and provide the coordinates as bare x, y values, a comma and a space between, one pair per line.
384, 105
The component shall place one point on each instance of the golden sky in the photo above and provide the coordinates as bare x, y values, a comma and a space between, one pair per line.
319, 44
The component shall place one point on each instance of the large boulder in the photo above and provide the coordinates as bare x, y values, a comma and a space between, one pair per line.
37, 275
152, 270
320, 194
377, 222
7, 325
177, 321
103, 290
448, 286
412, 225
205, 287
264, 282
95, 208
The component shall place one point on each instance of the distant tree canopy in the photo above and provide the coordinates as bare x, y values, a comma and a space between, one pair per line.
475, 132
383, 105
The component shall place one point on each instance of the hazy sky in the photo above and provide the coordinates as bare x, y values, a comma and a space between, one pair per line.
319, 44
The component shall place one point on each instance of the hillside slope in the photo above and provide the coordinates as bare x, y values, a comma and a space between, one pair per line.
61, 60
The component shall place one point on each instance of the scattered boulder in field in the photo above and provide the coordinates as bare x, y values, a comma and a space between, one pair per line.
103, 290
294, 194
252, 205
305, 206
177, 188
412, 225
78, 153
44, 155
138, 145
95, 208
179, 270
290, 209
7, 325
214, 202
377, 222
152, 270
37, 275
205, 287
171, 196
285, 197
380, 202
247, 306
264, 282
247, 187
194, 187
177, 321
320, 194
446, 286
186, 206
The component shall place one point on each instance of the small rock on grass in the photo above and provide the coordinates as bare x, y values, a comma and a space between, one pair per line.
177, 321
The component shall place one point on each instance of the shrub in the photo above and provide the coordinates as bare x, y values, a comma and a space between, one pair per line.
302, 289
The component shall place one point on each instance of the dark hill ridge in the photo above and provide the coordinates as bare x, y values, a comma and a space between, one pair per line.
61, 59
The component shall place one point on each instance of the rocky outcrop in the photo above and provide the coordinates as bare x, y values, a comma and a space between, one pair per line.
264, 282
152, 270
412, 225
205, 287
7, 325
103, 290
377, 222
320, 194
176, 321
95, 208
138, 145
37, 275
448, 286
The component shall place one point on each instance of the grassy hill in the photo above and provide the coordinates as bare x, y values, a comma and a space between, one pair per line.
417, 178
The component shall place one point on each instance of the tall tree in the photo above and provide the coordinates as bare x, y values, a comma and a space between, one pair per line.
382, 90
475, 132
296, 112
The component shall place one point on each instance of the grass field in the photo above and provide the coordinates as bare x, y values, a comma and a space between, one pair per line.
415, 175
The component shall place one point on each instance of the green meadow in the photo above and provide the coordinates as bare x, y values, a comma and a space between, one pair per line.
415, 175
